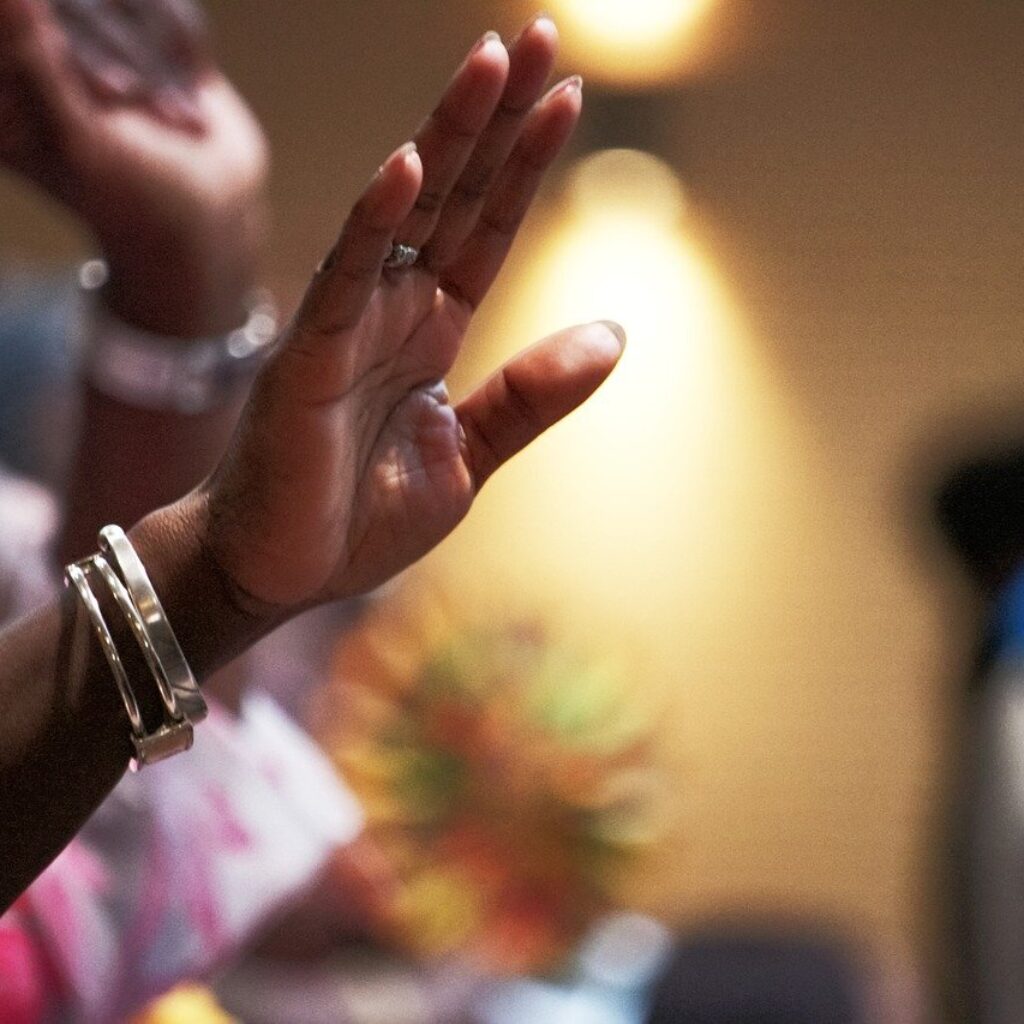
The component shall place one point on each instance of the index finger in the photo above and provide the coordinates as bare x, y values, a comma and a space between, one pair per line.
346, 278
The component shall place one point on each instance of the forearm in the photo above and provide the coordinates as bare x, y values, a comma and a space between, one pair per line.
64, 733
63, 739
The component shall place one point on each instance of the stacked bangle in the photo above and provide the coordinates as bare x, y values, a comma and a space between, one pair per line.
131, 589
178, 685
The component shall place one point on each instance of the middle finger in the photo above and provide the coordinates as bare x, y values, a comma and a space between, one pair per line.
450, 134
532, 56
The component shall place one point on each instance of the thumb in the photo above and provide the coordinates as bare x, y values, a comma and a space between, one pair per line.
534, 390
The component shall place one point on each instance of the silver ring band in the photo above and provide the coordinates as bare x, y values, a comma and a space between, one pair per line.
401, 256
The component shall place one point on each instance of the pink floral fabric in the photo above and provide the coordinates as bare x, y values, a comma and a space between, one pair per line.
181, 864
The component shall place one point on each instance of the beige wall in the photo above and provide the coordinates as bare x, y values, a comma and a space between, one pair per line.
853, 172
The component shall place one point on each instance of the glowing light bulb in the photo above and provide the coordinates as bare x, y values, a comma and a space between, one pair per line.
631, 42
621, 253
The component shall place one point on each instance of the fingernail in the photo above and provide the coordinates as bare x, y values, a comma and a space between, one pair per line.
536, 20
574, 84
617, 330
399, 154
490, 36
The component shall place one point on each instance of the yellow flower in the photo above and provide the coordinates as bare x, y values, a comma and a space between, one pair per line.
187, 1004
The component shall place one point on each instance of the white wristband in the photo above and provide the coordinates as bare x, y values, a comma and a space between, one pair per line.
153, 371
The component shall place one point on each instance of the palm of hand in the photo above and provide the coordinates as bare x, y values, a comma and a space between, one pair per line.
381, 464
349, 462
411, 481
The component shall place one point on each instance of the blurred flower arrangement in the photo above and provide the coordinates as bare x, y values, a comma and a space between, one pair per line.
506, 780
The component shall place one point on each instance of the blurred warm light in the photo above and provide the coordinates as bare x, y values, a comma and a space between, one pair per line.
641, 489
621, 252
633, 183
630, 42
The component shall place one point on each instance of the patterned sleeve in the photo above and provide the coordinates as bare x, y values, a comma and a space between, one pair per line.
181, 864
184, 862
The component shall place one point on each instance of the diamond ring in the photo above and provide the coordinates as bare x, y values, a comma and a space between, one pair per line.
401, 256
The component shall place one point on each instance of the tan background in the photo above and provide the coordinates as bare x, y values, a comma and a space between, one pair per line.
853, 176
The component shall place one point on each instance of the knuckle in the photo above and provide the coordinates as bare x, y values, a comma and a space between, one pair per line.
503, 224
448, 124
364, 223
475, 185
429, 201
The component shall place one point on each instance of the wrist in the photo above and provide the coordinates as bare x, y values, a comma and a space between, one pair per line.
174, 295
185, 286
213, 620
169, 374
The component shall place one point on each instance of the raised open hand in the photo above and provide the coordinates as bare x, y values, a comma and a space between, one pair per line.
152, 53
116, 109
350, 463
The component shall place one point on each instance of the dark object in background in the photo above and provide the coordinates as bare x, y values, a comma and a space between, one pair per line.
979, 976
724, 977
980, 508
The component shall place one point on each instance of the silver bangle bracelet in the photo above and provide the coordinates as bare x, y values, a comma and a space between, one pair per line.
75, 575
153, 371
138, 628
183, 704
115, 544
